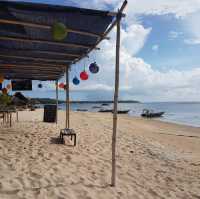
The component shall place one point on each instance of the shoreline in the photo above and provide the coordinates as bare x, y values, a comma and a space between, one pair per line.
154, 119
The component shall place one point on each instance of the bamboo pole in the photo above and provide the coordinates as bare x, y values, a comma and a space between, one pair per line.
56, 101
67, 97
113, 177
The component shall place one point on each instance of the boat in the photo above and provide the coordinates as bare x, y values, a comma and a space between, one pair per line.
111, 111
123, 111
82, 110
96, 107
105, 111
105, 104
150, 114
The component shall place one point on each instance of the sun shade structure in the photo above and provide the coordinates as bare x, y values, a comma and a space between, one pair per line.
28, 49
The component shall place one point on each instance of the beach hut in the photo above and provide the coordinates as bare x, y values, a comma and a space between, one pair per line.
41, 42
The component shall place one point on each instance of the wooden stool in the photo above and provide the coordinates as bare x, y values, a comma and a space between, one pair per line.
68, 132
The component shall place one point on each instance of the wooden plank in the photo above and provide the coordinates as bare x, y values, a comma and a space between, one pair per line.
45, 42
42, 78
34, 58
41, 26
32, 64
33, 72
40, 52
30, 68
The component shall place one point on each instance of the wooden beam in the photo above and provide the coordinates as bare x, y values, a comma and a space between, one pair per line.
48, 27
45, 42
25, 71
34, 58
42, 78
28, 68
41, 52
32, 64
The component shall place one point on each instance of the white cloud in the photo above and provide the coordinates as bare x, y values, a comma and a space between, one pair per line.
192, 28
174, 34
155, 47
139, 79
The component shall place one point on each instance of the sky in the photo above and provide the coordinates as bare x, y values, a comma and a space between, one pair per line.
159, 60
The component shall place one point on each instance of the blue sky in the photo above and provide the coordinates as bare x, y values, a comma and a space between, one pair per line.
159, 55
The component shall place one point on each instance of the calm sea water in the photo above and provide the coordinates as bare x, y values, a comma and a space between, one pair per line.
176, 112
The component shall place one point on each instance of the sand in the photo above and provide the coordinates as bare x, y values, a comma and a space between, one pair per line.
154, 159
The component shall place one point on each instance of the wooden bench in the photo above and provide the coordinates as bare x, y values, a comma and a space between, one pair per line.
68, 132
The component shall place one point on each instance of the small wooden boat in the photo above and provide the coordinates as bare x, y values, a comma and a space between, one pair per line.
111, 111
105, 104
123, 111
105, 110
82, 110
150, 114
96, 107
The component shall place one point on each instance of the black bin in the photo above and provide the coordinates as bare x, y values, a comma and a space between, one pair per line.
49, 113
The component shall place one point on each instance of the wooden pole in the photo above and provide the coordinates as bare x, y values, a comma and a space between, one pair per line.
113, 178
67, 97
56, 101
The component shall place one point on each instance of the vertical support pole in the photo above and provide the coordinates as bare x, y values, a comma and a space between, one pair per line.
113, 177
67, 97
56, 101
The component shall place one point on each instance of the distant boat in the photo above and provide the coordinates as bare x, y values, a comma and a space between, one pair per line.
105, 104
150, 114
123, 111
105, 110
82, 110
96, 107
111, 111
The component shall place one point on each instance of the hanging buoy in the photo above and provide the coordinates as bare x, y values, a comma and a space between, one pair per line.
94, 68
84, 75
4, 91
39, 85
61, 85
59, 31
76, 81
1, 78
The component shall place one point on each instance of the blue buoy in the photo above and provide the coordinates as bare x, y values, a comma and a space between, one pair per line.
76, 81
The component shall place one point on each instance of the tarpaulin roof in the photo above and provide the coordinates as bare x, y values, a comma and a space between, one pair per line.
27, 47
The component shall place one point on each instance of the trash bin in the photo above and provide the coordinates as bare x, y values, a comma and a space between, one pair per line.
50, 113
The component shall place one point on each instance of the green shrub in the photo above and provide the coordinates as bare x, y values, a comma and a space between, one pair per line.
5, 99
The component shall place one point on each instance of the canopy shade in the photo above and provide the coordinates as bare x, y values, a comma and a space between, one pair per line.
27, 47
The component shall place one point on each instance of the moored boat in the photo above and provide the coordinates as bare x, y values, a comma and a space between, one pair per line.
150, 114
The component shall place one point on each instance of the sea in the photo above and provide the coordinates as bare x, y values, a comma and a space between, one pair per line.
187, 113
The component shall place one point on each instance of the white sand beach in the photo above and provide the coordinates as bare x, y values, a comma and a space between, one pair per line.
154, 159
